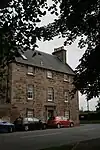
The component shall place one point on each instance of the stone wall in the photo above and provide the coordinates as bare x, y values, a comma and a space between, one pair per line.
20, 80
5, 112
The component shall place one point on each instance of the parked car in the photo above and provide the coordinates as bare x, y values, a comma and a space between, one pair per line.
25, 124
59, 121
6, 126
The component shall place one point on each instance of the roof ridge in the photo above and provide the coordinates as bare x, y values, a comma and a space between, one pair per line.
50, 61
44, 52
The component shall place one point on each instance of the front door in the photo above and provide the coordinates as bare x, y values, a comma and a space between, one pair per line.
50, 114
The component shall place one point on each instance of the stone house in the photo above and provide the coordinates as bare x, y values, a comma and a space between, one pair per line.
39, 85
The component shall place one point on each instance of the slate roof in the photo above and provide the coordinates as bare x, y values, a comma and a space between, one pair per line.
45, 60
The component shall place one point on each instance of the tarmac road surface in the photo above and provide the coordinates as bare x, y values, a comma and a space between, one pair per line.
40, 139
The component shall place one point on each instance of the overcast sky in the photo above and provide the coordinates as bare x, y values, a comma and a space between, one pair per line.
73, 56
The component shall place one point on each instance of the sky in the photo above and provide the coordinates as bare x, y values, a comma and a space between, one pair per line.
73, 56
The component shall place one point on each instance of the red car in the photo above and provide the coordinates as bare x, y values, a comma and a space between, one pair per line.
60, 121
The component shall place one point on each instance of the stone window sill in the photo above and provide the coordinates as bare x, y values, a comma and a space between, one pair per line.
66, 101
30, 74
29, 99
66, 80
50, 78
49, 100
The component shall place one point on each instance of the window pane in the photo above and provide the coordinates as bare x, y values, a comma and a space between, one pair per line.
30, 91
49, 74
66, 78
67, 114
50, 94
66, 96
30, 70
30, 113
23, 56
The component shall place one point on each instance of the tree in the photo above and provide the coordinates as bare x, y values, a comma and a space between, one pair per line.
98, 106
19, 27
78, 18
4, 3
19, 31
81, 18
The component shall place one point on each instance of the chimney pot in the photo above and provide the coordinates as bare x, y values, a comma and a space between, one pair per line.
60, 52
59, 49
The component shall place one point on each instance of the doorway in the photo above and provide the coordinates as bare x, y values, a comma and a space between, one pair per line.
50, 114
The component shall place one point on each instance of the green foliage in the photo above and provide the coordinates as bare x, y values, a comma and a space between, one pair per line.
19, 30
4, 3
81, 18
98, 106
18, 26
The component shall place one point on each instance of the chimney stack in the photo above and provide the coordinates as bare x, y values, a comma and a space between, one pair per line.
60, 52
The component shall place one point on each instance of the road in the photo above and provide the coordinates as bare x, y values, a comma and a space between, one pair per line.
40, 139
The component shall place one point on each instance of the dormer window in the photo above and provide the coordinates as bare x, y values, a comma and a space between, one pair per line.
30, 70
41, 63
24, 57
49, 74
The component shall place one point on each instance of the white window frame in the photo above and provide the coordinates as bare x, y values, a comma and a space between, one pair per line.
66, 78
30, 113
30, 72
67, 114
49, 74
50, 93
31, 91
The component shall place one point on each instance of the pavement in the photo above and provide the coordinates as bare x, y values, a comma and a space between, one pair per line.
41, 139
